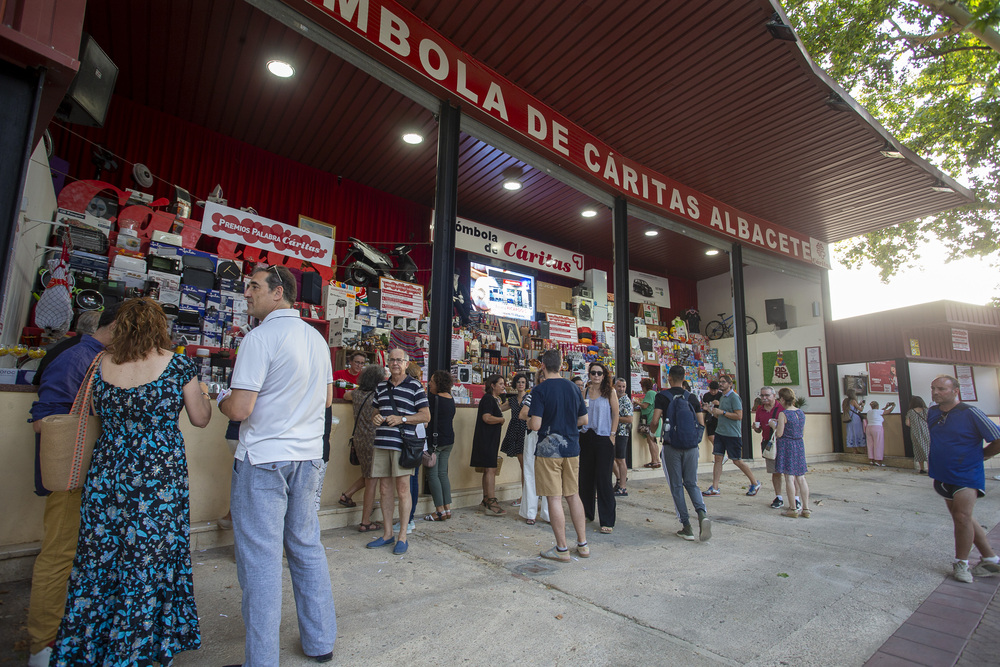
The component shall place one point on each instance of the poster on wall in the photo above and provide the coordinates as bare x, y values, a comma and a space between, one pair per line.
781, 367
882, 376
960, 340
647, 288
402, 298
259, 232
966, 383
562, 328
814, 370
859, 383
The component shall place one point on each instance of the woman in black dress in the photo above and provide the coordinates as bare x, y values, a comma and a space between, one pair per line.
486, 442
513, 441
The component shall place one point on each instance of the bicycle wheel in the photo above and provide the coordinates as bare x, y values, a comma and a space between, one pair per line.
715, 330
751, 325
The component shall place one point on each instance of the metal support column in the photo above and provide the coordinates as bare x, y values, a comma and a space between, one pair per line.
905, 393
21, 90
621, 316
740, 345
833, 376
443, 262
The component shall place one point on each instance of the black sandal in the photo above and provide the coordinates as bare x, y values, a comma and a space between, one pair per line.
346, 502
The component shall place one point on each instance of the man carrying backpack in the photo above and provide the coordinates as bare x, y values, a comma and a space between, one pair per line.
681, 437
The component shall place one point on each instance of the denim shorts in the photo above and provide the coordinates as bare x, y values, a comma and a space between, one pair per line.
729, 445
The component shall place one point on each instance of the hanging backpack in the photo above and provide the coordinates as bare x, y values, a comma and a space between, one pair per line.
685, 432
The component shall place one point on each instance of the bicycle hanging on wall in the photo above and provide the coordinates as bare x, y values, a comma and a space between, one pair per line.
723, 327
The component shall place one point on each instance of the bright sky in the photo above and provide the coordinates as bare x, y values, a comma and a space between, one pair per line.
860, 291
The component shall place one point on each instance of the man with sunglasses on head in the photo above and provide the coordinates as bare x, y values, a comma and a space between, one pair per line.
281, 385
956, 466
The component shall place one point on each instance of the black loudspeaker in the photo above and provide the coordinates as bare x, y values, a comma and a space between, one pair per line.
775, 310
312, 288
89, 96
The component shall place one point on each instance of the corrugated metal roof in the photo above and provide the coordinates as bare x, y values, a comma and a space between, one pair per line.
697, 91
886, 335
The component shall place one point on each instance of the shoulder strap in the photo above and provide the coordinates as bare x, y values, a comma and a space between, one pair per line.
83, 394
363, 401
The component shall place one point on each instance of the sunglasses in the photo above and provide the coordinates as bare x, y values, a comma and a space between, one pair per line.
597, 373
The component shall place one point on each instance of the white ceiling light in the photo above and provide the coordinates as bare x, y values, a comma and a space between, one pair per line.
512, 178
413, 138
588, 213
280, 68
652, 232
939, 186
711, 252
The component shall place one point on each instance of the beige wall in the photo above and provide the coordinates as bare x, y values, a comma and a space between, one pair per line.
210, 463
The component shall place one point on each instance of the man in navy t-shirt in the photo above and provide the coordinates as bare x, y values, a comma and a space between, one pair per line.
956, 466
557, 412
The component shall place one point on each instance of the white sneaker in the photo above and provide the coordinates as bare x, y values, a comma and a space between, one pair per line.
410, 527
40, 659
986, 569
961, 572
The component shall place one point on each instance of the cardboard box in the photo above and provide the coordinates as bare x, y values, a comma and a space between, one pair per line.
130, 278
553, 299
165, 280
337, 301
164, 249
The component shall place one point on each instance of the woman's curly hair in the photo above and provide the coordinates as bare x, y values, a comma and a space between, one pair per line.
140, 328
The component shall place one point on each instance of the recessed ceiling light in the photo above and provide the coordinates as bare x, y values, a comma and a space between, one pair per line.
280, 68
588, 213
712, 252
512, 178
413, 138
652, 232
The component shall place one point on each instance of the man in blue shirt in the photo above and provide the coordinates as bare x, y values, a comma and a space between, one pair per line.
557, 412
57, 388
956, 466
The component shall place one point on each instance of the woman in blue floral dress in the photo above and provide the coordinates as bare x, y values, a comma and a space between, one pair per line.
790, 458
131, 597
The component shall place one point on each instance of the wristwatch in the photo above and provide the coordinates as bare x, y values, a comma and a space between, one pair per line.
404, 420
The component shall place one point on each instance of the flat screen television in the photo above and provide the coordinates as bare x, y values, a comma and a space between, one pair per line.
502, 293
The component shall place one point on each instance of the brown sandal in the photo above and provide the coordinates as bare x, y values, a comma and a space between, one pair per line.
368, 527
491, 507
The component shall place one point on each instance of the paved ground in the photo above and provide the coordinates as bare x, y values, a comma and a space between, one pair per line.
766, 590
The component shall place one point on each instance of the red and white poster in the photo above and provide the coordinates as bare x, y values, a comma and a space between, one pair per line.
960, 340
966, 383
402, 298
253, 230
882, 376
562, 328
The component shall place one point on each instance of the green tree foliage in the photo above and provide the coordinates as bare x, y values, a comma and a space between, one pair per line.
928, 70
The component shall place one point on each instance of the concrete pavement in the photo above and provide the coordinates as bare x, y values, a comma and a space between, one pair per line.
766, 590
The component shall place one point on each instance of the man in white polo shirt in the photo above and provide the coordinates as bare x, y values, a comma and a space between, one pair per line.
280, 388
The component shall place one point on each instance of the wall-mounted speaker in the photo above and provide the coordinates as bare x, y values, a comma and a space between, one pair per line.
88, 98
775, 311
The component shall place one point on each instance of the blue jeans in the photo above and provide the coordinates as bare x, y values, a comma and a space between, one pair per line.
414, 490
274, 506
437, 478
680, 466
